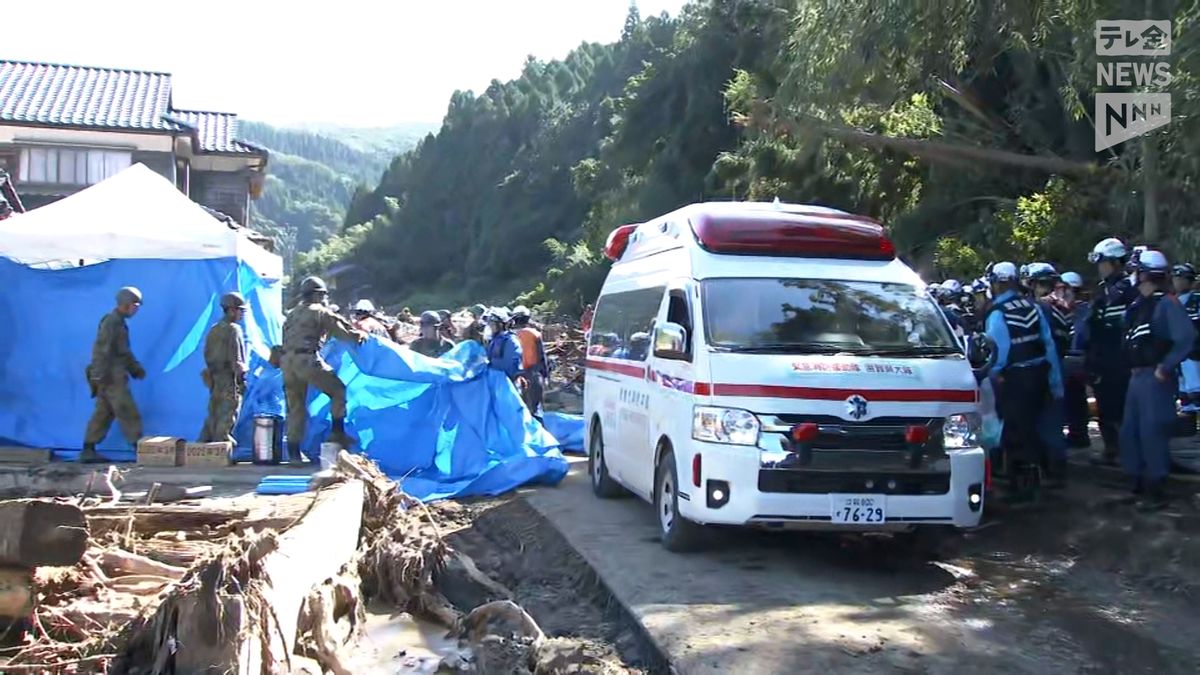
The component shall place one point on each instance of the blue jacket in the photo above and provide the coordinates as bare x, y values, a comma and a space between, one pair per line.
504, 354
997, 330
1171, 322
1079, 326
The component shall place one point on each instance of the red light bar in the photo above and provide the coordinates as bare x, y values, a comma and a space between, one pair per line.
916, 435
808, 235
617, 241
806, 432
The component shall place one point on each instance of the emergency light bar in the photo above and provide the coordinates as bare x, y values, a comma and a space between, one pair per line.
806, 235
618, 241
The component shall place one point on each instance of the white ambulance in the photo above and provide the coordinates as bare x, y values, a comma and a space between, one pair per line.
776, 365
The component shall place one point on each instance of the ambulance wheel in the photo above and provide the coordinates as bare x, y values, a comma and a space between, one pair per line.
602, 484
678, 533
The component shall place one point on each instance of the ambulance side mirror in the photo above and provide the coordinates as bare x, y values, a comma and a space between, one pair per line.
670, 342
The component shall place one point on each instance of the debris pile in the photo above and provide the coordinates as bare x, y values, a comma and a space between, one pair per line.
566, 347
136, 555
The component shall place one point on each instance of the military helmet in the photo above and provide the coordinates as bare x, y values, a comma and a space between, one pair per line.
312, 285
129, 294
430, 319
478, 311
233, 300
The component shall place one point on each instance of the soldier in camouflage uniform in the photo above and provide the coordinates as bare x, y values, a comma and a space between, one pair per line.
431, 343
108, 377
305, 330
225, 375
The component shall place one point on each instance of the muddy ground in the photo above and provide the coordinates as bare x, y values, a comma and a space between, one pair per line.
513, 544
1078, 584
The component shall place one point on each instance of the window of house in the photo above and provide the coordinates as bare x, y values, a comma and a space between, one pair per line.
623, 322
71, 167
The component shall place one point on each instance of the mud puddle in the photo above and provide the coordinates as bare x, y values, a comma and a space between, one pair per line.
513, 544
395, 642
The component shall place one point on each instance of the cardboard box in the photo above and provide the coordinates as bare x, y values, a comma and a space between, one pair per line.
207, 454
160, 451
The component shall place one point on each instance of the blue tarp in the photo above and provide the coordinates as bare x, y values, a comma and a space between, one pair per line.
448, 427
568, 429
50, 319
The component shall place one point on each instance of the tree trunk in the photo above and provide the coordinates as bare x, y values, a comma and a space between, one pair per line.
34, 533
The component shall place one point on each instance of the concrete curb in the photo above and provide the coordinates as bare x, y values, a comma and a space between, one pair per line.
661, 654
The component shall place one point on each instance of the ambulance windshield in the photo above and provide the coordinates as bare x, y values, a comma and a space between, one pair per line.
823, 316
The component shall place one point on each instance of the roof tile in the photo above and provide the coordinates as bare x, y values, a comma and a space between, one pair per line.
50, 93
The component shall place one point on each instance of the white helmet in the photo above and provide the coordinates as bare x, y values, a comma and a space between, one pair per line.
1002, 271
1152, 262
521, 312
1108, 249
1039, 271
364, 305
952, 286
1072, 279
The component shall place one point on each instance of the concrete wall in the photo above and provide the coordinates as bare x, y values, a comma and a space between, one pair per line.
226, 191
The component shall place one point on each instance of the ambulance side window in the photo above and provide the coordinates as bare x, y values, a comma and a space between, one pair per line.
622, 324
679, 312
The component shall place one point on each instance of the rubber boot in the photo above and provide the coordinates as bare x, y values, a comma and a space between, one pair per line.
338, 434
89, 454
293, 454
1155, 498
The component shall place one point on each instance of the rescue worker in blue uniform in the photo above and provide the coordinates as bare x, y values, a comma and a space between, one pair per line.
1043, 279
1159, 337
503, 350
1105, 354
1184, 280
1075, 400
948, 294
1026, 376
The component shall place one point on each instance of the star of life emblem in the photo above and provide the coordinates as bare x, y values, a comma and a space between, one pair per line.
856, 407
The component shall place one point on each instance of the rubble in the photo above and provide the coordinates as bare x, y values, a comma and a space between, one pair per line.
162, 588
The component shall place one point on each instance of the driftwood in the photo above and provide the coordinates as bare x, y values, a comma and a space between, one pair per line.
36, 532
148, 519
126, 563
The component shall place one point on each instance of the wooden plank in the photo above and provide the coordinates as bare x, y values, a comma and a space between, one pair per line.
35, 532
16, 455
308, 554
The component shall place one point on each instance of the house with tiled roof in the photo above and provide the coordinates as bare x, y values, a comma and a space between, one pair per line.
63, 128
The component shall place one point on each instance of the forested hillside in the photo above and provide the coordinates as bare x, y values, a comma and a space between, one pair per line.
312, 176
964, 125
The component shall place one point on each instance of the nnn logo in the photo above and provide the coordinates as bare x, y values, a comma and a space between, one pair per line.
1120, 117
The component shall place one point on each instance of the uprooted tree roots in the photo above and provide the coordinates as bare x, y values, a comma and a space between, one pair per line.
405, 561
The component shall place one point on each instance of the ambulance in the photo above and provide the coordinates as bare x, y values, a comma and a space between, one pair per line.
777, 366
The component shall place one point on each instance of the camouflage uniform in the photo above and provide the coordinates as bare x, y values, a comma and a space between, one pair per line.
225, 356
432, 347
304, 333
108, 375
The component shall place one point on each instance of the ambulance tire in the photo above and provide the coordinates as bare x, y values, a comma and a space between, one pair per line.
603, 486
679, 534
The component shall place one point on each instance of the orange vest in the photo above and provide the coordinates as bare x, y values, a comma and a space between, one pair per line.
530, 354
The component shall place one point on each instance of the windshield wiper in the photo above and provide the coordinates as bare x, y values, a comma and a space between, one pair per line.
910, 351
790, 348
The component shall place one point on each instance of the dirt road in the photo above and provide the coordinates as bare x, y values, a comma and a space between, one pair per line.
1079, 585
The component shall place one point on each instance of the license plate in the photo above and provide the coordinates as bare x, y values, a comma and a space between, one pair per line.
858, 509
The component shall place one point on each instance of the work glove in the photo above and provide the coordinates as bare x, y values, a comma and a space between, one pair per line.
138, 372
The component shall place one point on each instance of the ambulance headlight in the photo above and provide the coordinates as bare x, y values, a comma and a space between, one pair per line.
961, 431
724, 425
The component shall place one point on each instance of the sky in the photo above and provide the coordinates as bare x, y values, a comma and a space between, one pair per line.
345, 62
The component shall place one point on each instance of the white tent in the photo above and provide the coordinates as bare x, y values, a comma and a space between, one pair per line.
134, 214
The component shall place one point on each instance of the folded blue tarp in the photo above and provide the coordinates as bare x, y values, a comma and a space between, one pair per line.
568, 429
448, 427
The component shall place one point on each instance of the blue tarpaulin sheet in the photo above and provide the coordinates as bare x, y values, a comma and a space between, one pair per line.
568, 429
51, 316
448, 427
